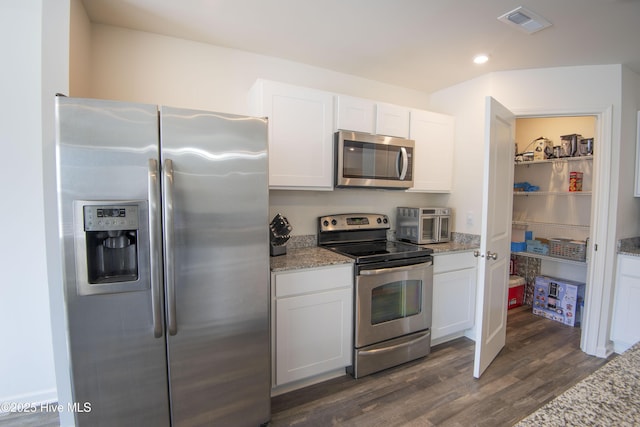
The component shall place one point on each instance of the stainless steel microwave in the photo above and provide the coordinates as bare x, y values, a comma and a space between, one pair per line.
365, 160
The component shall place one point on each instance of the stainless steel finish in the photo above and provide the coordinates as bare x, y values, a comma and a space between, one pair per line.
219, 359
102, 149
80, 249
169, 259
376, 161
423, 225
215, 369
365, 332
390, 353
491, 255
155, 244
354, 221
394, 269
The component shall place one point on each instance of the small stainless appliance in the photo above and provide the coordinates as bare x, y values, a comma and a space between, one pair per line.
393, 291
423, 225
365, 160
569, 145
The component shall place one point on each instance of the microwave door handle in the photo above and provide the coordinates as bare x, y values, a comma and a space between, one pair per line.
405, 163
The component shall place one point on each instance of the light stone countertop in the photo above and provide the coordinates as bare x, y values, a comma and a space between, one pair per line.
309, 257
302, 252
446, 248
608, 397
630, 246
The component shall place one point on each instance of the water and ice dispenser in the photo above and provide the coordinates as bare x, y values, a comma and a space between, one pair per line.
109, 249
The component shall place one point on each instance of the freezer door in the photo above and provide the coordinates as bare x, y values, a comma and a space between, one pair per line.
216, 267
118, 358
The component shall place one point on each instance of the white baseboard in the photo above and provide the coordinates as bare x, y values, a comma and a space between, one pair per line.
21, 402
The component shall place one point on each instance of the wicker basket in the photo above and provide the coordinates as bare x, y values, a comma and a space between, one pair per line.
575, 250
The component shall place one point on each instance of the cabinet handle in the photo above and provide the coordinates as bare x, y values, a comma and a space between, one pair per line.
493, 256
478, 254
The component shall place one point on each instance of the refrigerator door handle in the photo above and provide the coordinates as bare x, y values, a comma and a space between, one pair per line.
155, 244
169, 265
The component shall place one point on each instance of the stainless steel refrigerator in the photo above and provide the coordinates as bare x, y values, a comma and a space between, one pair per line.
163, 220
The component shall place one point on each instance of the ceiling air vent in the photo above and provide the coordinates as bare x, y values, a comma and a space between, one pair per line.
525, 20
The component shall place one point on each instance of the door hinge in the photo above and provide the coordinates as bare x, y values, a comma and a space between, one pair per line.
595, 247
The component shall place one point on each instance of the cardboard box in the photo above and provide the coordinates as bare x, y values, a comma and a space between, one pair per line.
559, 299
516, 292
575, 181
542, 148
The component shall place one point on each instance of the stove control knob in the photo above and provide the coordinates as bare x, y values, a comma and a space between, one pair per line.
334, 222
325, 223
379, 220
385, 220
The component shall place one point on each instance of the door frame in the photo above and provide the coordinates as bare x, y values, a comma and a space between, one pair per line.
601, 250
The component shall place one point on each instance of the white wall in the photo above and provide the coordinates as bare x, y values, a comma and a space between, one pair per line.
135, 66
142, 67
560, 91
466, 102
79, 51
30, 72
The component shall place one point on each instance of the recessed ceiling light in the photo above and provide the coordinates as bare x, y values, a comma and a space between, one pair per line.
525, 20
480, 59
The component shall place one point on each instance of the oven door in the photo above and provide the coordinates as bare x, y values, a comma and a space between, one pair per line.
392, 302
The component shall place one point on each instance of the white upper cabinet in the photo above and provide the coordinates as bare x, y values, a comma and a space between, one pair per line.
392, 120
356, 114
433, 157
300, 134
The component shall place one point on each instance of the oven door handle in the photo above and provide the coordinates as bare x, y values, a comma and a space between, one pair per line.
419, 336
395, 269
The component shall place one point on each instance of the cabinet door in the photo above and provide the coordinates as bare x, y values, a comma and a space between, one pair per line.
433, 157
355, 114
454, 296
625, 329
313, 334
300, 135
392, 120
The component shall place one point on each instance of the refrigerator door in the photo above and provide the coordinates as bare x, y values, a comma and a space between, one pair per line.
116, 345
216, 219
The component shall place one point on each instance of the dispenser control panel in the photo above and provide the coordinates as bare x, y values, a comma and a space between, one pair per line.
110, 218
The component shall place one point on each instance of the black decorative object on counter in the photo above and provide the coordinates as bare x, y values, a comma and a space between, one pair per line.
280, 231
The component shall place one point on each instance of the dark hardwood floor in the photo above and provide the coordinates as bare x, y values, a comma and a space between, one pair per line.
541, 359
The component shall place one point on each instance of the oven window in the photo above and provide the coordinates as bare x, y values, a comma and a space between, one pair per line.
396, 300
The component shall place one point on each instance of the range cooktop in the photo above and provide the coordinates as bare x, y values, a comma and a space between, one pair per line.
363, 238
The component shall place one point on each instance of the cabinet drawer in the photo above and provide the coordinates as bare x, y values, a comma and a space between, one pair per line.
312, 280
629, 265
451, 262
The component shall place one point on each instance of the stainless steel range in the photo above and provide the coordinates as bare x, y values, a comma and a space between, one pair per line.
393, 291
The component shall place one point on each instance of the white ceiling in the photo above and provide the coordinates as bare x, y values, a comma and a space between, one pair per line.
419, 44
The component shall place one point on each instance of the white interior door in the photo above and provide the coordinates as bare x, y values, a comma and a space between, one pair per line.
496, 234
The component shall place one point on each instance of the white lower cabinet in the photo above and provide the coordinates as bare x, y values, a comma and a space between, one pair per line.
454, 295
311, 323
625, 328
